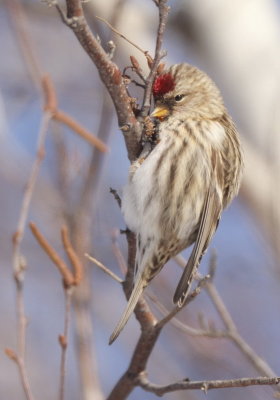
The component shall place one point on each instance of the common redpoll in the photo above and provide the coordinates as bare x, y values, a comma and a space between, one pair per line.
175, 196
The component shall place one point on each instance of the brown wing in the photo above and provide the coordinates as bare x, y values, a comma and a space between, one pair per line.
210, 216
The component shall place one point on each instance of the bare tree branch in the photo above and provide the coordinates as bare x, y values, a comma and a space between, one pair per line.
104, 268
204, 385
66, 119
189, 330
122, 35
20, 25
188, 299
23, 374
72, 256
163, 13
51, 105
109, 74
18, 264
66, 274
138, 363
63, 341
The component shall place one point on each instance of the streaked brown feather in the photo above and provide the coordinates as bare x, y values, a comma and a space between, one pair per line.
210, 216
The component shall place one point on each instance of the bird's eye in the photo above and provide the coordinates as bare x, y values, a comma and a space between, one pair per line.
179, 97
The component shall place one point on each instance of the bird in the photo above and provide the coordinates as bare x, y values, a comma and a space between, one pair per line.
175, 195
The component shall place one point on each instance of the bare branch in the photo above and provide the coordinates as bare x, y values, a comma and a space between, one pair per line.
109, 74
204, 385
117, 252
66, 119
51, 105
136, 67
18, 263
29, 188
138, 363
163, 13
145, 52
72, 256
63, 341
258, 362
189, 330
66, 274
104, 268
22, 370
188, 299
50, 98
20, 25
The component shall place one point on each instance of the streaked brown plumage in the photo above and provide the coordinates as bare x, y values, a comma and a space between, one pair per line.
175, 197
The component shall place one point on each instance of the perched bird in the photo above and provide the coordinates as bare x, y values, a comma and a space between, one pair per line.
175, 196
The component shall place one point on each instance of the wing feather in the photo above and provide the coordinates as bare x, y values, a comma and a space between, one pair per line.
210, 216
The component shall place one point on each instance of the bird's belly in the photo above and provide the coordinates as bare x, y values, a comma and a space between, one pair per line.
165, 196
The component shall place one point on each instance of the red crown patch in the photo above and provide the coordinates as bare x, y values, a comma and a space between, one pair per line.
163, 84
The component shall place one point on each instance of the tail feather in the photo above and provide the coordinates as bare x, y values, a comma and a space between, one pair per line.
133, 300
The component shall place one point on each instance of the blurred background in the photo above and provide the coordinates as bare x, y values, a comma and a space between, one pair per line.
237, 44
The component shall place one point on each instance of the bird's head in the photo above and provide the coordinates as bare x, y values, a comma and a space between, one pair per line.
184, 91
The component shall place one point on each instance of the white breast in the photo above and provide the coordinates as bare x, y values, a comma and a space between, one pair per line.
137, 191
146, 220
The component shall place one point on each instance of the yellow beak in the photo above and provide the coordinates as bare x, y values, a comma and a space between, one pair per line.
160, 112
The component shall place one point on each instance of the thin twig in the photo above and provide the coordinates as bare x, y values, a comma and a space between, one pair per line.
204, 385
63, 341
220, 307
19, 271
258, 362
145, 52
49, 94
51, 105
188, 299
189, 330
72, 256
117, 252
22, 370
66, 119
19, 276
24, 39
104, 268
29, 187
163, 13
136, 67
66, 274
